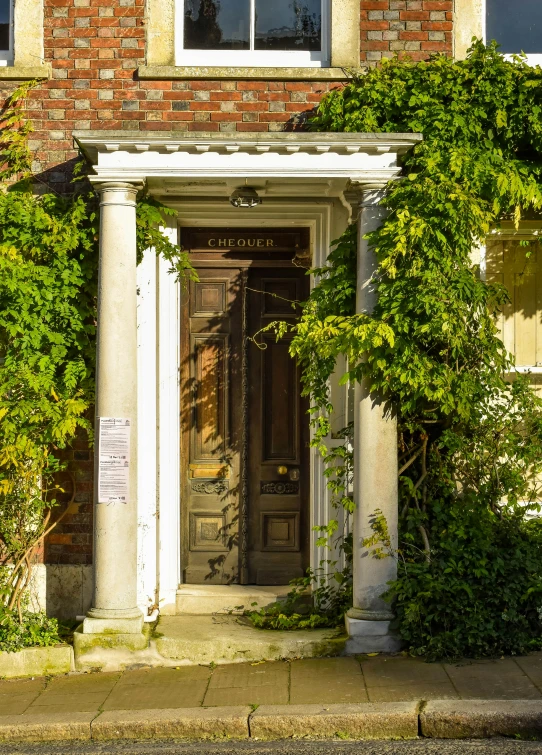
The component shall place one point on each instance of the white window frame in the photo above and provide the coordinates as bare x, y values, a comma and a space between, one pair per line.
253, 58
533, 59
6, 56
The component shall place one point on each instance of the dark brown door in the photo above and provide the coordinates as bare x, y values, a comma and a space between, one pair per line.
244, 439
278, 457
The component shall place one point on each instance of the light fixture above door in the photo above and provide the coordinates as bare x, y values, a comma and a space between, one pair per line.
245, 196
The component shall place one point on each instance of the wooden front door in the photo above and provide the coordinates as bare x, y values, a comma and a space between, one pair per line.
244, 449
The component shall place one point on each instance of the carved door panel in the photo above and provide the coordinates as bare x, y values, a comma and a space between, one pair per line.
210, 421
279, 434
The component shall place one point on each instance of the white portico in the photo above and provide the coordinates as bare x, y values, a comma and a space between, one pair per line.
311, 181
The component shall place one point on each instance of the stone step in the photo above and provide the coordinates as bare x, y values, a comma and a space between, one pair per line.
227, 639
212, 599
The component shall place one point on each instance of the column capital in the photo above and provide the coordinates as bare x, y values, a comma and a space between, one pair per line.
116, 192
365, 195
360, 195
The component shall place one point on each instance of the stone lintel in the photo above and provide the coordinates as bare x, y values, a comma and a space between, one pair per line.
25, 73
168, 72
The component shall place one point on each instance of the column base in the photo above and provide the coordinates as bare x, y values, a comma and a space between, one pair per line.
110, 652
112, 625
370, 637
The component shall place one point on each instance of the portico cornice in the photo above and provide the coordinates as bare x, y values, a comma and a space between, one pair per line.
131, 156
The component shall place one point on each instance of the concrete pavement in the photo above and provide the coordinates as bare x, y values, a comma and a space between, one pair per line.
366, 697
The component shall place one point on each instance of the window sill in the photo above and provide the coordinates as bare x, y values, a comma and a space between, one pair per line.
226, 72
24, 73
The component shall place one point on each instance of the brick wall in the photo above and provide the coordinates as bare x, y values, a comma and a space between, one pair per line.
71, 540
95, 47
414, 27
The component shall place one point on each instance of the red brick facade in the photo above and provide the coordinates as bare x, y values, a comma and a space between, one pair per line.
415, 27
95, 46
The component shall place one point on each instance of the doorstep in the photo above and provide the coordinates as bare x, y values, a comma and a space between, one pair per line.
202, 639
210, 599
226, 639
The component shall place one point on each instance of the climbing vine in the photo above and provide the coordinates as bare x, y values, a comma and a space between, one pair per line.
470, 430
48, 284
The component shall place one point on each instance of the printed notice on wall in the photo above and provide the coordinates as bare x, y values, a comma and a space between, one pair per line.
113, 459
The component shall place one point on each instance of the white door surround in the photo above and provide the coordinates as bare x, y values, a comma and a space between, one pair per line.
312, 180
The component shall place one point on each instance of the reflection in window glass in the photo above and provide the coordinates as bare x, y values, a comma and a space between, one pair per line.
216, 24
288, 25
517, 27
4, 24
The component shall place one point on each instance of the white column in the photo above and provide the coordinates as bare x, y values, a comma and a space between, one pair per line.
169, 440
375, 471
114, 606
147, 558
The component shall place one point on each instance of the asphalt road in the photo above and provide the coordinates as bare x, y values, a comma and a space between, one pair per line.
288, 747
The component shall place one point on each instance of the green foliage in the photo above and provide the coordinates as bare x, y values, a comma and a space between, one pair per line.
30, 630
482, 132
15, 157
324, 606
470, 441
48, 288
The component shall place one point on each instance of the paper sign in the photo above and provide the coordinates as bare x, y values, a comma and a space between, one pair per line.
113, 459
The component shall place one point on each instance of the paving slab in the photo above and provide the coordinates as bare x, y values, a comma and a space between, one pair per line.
75, 693
247, 696
364, 721
22, 686
250, 675
249, 684
83, 683
394, 671
481, 718
160, 675
180, 694
72, 703
327, 680
17, 696
494, 680
414, 691
45, 727
190, 723
531, 665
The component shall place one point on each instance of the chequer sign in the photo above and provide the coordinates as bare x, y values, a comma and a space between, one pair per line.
245, 239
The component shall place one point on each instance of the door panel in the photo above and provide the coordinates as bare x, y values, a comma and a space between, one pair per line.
245, 492
279, 403
209, 429
211, 332
279, 464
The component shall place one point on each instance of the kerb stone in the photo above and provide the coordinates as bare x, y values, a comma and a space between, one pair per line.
188, 723
351, 721
455, 719
45, 727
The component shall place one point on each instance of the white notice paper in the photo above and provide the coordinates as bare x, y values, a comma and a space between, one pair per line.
113, 459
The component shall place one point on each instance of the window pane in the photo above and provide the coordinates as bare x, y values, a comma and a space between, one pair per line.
288, 25
216, 24
4, 24
517, 27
